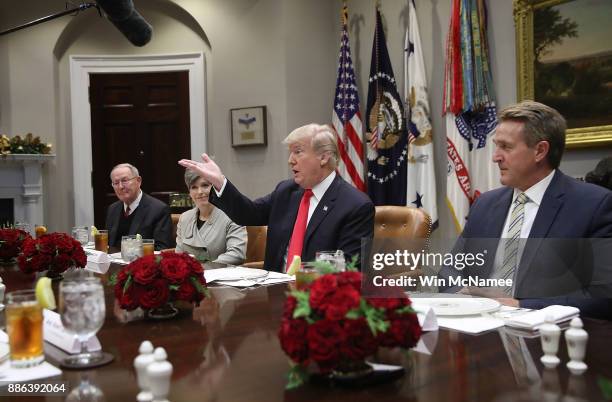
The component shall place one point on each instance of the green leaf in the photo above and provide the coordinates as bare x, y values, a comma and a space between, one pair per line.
375, 318
302, 309
353, 314
405, 310
323, 267
352, 265
127, 284
113, 279
199, 287
173, 287
606, 387
298, 375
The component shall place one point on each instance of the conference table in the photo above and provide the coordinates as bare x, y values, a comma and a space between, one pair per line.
226, 349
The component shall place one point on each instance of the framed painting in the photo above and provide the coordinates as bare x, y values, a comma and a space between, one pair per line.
248, 126
564, 60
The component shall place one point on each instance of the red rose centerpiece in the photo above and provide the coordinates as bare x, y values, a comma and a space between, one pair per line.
331, 325
154, 282
53, 252
11, 242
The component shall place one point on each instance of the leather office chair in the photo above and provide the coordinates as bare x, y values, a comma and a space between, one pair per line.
400, 225
175, 219
256, 246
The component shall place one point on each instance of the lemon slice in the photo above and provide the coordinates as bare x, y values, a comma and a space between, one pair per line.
295, 265
138, 237
44, 293
94, 231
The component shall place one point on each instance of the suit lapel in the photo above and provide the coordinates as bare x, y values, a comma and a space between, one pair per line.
549, 208
139, 214
324, 207
294, 204
497, 216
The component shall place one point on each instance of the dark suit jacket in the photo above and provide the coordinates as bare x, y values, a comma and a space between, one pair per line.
151, 220
342, 218
553, 270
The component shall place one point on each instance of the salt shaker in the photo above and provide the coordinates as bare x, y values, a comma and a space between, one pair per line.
576, 338
550, 333
141, 362
159, 373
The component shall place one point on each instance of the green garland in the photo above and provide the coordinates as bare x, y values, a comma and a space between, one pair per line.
27, 145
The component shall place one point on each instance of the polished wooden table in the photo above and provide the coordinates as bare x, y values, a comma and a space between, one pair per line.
227, 350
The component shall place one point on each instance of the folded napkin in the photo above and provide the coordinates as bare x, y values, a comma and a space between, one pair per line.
9, 374
533, 319
470, 324
427, 317
427, 343
97, 261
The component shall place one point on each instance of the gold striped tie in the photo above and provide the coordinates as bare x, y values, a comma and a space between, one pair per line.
511, 248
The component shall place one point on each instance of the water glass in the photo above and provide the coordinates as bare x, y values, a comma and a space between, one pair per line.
82, 311
24, 323
81, 234
335, 258
23, 226
131, 248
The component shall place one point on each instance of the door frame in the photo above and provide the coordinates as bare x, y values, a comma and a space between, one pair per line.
80, 68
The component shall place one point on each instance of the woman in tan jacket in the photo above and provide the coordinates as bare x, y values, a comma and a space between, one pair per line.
205, 231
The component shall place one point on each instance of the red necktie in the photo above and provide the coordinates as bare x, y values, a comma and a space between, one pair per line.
299, 228
127, 212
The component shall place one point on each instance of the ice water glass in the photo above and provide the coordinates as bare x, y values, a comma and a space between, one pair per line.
335, 258
131, 248
81, 234
82, 311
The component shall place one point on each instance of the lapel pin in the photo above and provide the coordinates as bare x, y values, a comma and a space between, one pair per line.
324, 208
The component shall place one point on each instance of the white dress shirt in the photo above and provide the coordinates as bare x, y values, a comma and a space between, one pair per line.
134, 204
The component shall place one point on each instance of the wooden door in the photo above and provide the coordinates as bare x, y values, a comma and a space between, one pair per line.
142, 119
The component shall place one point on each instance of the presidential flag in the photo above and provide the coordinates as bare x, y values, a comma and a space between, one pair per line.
346, 117
470, 109
421, 185
387, 136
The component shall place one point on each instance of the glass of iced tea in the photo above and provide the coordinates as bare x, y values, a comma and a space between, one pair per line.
101, 240
24, 323
148, 246
305, 275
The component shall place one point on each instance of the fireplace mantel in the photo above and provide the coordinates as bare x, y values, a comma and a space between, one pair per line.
22, 181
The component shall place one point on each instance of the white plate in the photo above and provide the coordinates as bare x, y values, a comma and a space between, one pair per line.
234, 274
460, 306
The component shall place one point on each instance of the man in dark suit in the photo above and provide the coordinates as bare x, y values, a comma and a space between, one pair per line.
536, 213
316, 210
136, 212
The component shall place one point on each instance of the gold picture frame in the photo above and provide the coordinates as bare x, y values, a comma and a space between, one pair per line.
592, 136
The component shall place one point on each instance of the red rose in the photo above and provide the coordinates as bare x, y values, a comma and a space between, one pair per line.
324, 338
359, 342
344, 299
144, 269
321, 290
131, 298
175, 270
404, 331
11, 242
351, 278
290, 305
154, 294
390, 303
292, 336
61, 263
187, 292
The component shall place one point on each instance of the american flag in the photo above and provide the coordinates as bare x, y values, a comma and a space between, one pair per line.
347, 118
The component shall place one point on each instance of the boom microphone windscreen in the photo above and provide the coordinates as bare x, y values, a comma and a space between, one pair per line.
127, 20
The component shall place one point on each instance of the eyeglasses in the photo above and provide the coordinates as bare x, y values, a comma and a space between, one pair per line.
123, 181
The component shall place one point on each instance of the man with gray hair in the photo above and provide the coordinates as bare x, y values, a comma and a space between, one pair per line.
136, 212
316, 210
537, 202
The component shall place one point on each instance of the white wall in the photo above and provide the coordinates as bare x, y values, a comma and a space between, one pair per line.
278, 53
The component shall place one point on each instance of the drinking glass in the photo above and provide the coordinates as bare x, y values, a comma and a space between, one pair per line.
148, 246
336, 258
101, 240
305, 276
82, 310
23, 226
81, 234
24, 322
131, 248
